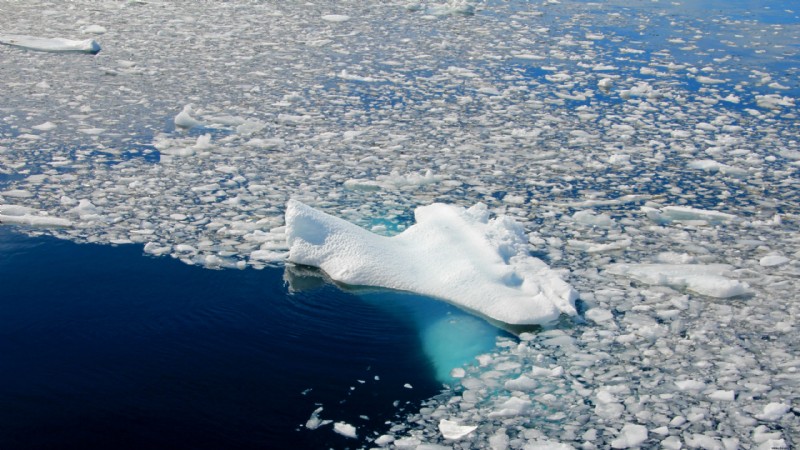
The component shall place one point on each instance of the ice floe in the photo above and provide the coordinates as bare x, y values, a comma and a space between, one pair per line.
56, 45
704, 279
455, 254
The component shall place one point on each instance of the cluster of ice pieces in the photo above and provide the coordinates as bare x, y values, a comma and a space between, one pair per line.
651, 150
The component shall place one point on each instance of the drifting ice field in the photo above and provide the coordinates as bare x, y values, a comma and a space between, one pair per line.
648, 152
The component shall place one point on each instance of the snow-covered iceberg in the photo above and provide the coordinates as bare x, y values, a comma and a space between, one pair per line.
50, 44
458, 255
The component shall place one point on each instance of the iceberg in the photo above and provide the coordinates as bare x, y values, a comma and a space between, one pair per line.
454, 254
58, 45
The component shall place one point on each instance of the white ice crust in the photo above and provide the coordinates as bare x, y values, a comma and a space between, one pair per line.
451, 253
453, 431
704, 279
57, 45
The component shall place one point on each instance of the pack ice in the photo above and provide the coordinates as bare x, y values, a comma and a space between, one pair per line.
455, 254
44, 44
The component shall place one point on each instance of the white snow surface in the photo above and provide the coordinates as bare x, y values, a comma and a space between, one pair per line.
55, 45
451, 253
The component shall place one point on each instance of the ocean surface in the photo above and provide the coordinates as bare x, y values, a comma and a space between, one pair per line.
648, 150
104, 347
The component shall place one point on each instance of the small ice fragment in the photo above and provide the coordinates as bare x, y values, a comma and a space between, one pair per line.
336, 18
384, 440
345, 429
704, 279
34, 220
631, 435
17, 193
605, 84
458, 372
722, 395
773, 260
512, 407
184, 118
55, 45
408, 386
598, 315
93, 29
453, 431
690, 385
774, 411
314, 421
47, 126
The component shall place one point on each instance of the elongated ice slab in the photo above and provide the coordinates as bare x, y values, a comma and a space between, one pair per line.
451, 253
704, 279
50, 44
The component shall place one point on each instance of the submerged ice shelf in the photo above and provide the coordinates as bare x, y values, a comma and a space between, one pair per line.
451, 253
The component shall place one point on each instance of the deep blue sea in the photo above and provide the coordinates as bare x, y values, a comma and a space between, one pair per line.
104, 347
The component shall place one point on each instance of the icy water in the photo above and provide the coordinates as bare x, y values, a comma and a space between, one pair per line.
649, 151
104, 347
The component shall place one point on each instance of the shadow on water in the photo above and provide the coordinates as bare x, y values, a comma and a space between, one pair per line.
103, 347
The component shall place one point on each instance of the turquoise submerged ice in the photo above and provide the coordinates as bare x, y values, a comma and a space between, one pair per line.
459, 255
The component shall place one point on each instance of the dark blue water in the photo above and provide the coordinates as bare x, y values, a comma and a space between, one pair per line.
102, 347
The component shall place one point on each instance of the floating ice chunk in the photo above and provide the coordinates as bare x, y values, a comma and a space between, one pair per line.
588, 217
384, 440
722, 395
709, 165
453, 431
84, 210
34, 220
773, 260
184, 118
345, 429
336, 18
774, 411
452, 7
708, 80
17, 193
630, 436
598, 315
93, 29
47, 126
512, 407
523, 383
314, 421
546, 444
15, 210
451, 253
774, 101
706, 280
594, 247
703, 441
685, 213
56, 45
690, 385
